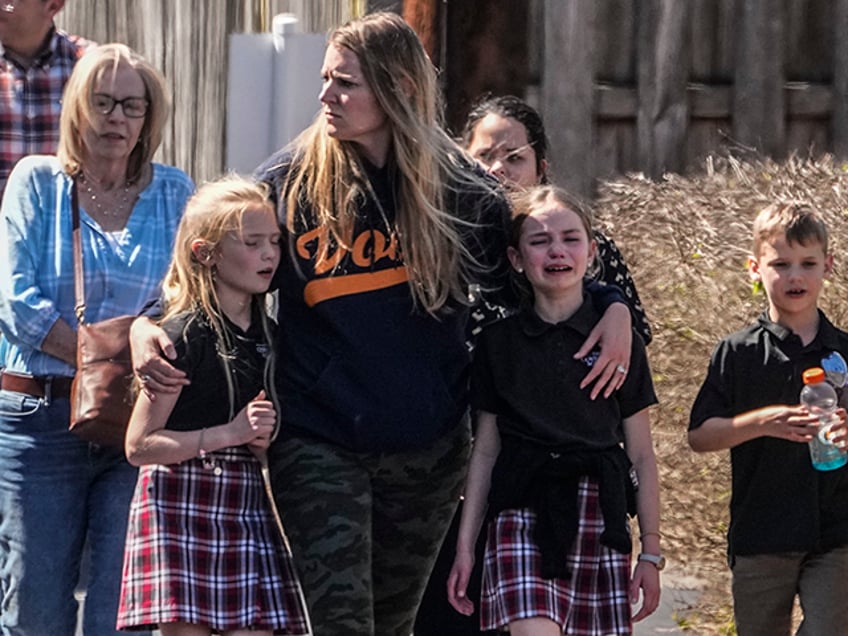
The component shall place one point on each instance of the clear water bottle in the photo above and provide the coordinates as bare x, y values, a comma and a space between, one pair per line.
820, 399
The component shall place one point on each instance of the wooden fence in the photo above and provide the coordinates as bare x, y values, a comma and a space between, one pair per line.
654, 85
188, 41
624, 85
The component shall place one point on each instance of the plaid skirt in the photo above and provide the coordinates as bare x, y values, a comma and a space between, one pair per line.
203, 547
593, 601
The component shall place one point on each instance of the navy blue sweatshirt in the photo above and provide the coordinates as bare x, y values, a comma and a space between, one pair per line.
359, 364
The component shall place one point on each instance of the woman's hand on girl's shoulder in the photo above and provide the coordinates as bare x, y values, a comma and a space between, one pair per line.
614, 335
151, 348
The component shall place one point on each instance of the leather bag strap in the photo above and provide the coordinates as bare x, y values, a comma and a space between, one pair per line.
79, 283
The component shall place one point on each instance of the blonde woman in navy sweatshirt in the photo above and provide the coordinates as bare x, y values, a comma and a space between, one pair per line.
387, 223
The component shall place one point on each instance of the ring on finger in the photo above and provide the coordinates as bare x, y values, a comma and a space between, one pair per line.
621, 368
144, 377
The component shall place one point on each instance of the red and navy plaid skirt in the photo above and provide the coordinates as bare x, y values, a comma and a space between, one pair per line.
593, 601
203, 547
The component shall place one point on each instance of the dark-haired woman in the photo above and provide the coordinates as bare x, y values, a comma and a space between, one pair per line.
507, 137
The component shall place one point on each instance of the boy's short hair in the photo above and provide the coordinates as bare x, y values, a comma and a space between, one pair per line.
797, 222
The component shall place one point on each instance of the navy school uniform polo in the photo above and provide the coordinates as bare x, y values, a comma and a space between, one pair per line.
780, 503
525, 373
205, 402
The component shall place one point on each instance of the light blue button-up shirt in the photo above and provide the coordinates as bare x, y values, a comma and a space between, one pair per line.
123, 270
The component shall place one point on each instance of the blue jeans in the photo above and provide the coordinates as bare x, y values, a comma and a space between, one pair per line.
57, 494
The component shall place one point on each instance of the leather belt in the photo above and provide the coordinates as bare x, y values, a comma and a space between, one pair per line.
38, 386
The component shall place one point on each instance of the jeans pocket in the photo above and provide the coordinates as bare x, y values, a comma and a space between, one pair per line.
13, 404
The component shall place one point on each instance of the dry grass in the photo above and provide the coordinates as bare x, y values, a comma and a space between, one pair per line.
686, 241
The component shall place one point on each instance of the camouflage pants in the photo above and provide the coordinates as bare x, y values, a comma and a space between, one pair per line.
365, 528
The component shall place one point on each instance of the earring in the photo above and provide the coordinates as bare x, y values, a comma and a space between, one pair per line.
756, 287
520, 270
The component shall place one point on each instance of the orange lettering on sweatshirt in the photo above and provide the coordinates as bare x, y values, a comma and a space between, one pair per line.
321, 237
322, 289
371, 247
368, 247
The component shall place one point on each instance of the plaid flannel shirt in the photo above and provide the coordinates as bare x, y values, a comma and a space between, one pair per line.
31, 100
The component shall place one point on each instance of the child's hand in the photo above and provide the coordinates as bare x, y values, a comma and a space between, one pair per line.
792, 423
839, 430
254, 424
646, 577
458, 583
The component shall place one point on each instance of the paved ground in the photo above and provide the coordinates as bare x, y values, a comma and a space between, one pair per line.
679, 593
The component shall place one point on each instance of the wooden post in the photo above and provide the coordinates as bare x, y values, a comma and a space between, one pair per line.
759, 104
425, 17
663, 113
317, 17
486, 49
839, 117
567, 91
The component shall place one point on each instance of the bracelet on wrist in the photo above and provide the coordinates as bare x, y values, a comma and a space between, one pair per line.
201, 452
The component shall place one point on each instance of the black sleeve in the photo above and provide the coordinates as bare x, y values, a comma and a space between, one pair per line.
603, 295
485, 215
153, 309
715, 398
484, 396
188, 341
614, 271
637, 392
272, 172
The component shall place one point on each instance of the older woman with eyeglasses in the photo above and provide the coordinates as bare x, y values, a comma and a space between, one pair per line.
58, 492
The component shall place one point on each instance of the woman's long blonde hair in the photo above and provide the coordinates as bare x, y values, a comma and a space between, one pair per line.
328, 178
216, 209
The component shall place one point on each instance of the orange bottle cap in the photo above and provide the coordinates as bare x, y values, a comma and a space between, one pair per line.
813, 375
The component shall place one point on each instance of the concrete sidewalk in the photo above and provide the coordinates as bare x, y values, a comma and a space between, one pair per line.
679, 593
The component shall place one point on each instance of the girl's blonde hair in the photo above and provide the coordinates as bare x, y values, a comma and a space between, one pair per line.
216, 209
329, 180
77, 109
526, 202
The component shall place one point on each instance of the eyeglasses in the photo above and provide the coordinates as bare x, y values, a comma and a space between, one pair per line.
134, 107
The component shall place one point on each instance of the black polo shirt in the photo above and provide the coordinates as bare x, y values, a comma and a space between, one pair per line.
780, 503
205, 402
525, 373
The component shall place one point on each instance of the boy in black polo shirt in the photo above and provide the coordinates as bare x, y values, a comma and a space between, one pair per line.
788, 522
